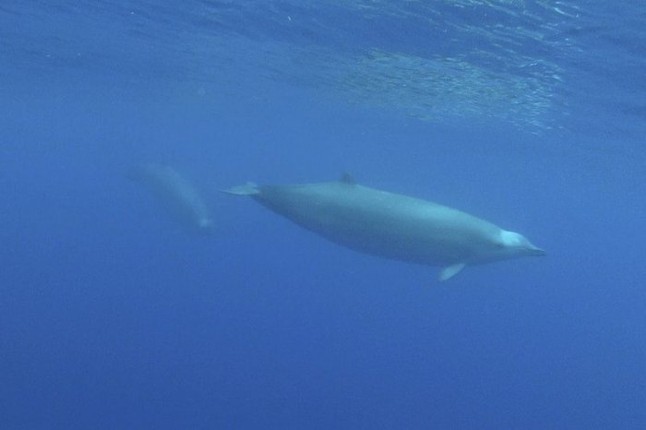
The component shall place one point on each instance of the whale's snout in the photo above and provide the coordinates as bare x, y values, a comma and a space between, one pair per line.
519, 244
535, 251
205, 225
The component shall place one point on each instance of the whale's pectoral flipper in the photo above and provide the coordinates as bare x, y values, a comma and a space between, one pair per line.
450, 271
248, 189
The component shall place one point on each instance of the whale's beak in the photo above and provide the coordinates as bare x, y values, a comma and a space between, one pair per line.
535, 251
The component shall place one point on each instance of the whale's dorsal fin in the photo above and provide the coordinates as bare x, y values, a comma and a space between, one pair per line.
450, 271
347, 178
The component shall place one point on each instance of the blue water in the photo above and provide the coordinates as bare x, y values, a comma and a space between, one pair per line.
531, 114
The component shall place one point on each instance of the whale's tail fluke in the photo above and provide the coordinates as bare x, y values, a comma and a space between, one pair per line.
248, 189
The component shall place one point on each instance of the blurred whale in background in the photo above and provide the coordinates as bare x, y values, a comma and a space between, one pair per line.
176, 193
391, 225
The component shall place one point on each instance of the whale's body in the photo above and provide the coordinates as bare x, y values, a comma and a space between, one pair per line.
176, 194
392, 225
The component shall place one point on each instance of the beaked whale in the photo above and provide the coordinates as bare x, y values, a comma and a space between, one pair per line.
391, 225
176, 193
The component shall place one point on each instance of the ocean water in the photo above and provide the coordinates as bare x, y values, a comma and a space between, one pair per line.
113, 315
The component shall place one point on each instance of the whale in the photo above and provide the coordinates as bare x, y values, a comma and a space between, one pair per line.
391, 225
176, 193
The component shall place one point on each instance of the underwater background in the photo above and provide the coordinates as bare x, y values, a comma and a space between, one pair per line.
528, 113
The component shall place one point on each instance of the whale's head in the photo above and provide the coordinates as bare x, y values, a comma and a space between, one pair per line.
511, 245
204, 225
